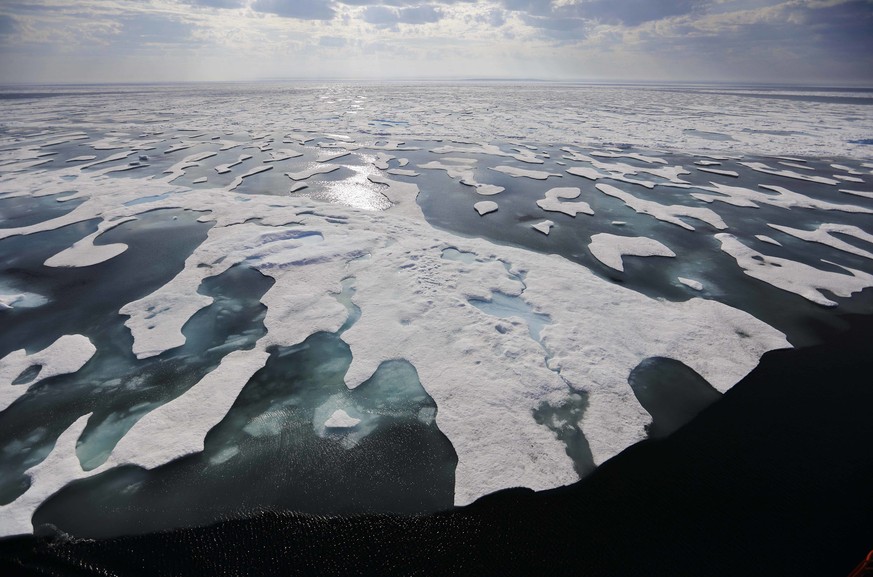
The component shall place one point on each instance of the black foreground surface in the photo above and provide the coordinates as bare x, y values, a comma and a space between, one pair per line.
775, 479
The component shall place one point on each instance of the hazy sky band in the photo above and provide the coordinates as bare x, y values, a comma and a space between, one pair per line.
793, 41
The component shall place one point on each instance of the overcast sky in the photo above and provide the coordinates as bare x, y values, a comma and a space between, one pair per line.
796, 41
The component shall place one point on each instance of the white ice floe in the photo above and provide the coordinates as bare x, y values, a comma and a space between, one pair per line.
463, 169
761, 167
256, 170
312, 170
524, 173
845, 168
690, 283
847, 178
824, 235
610, 248
767, 239
544, 227
485, 206
784, 198
173, 430
633, 155
552, 202
224, 168
178, 428
402, 172
59, 468
332, 156
282, 154
341, 420
665, 213
731, 173
200, 180
85, 253
66, 355
860, 193
490, 150
793, 276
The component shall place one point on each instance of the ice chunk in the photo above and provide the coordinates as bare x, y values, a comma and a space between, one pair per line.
610, 248
793, 276
767, 239
662, 212
634, 155
544, 227
341, 420
732, 173
485, 207
693, 284
552, 201
66, 355
224, 168
524, 173
312, 171
256, 170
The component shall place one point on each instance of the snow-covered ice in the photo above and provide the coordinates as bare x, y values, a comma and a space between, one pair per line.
610, 248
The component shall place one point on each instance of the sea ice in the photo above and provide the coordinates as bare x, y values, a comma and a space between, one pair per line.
732, 173
793, 276
662, 212
761, 167
544, 227
552, 201
66, 355
485, 206
690, 283
610, 248
824, 235
341, 420
523, 173
312, 171
86, 253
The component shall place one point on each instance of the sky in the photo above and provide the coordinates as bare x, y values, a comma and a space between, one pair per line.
779, 41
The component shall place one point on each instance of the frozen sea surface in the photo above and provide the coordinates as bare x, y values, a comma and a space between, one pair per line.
222, 298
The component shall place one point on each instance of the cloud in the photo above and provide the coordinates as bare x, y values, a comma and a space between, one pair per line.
386, 16
7, 25
219, 3
634, 12
300, 9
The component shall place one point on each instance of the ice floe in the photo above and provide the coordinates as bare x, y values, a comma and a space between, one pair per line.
824, 235
663, 212
312, 171
544, 227
761, 167
690, 283
86, 253
553, 203
524, 173
793, 276
784, 198
485, 206
66, 355
610, 248
731, 173
341, 420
